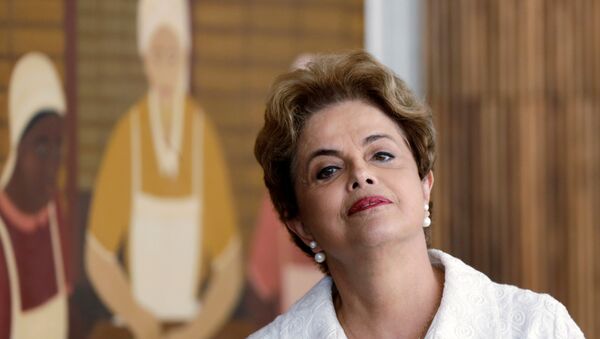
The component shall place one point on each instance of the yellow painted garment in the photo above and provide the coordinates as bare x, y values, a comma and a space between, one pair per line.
111, 203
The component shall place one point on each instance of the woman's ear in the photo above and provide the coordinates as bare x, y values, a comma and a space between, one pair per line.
298, 228
427, 184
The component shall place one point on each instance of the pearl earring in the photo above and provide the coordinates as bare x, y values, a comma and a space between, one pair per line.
319, 256
427, 220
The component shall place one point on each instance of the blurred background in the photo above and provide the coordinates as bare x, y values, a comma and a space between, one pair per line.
514, 86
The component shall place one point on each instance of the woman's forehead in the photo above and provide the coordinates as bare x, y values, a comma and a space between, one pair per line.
349, 121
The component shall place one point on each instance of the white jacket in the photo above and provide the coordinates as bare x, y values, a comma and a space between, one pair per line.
472, 306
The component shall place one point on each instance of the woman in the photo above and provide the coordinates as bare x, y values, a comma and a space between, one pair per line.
162, 198
33, 282
347, 153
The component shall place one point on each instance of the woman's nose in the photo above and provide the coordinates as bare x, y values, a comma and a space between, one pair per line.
357, 184
361, 177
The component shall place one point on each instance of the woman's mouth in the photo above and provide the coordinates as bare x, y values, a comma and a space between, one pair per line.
367, 203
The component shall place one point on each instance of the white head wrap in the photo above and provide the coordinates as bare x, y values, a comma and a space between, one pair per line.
153, 14
34, 86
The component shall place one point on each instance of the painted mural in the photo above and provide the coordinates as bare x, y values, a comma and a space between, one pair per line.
162, 196
34, 284
131, 205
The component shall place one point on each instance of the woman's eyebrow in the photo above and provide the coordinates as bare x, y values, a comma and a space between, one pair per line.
374, 137
323, 151
336, 153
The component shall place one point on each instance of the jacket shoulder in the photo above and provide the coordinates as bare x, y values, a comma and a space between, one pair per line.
313, 316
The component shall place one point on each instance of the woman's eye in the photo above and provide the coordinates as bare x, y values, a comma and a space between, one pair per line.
383, 156
326, 172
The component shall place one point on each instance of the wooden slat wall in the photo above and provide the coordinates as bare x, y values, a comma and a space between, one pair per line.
239, 48
515, 90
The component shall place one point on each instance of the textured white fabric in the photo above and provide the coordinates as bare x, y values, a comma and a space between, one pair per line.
472, 306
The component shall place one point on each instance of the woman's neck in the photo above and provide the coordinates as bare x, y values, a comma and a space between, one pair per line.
393, 293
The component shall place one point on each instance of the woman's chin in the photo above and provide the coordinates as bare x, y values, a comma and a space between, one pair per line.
382, 231
376, 234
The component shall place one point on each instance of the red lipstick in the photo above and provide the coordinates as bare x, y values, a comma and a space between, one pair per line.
368, 202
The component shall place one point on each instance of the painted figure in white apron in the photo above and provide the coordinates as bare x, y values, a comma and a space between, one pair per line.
33, 283
162, 196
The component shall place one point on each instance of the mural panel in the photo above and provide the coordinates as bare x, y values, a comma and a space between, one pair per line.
131, 205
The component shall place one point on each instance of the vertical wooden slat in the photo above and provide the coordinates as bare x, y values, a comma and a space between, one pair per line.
529, 135
506, 25
520, 170
595, 163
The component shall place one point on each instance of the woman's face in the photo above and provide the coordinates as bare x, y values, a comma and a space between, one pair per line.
163, 61
357, 183
39, 158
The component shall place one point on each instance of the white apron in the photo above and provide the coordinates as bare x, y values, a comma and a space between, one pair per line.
164, 240
48, 320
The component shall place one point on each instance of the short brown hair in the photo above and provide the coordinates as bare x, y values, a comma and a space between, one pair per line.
326, 80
